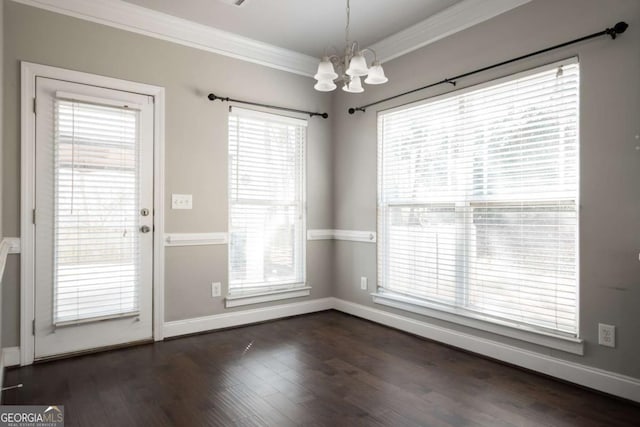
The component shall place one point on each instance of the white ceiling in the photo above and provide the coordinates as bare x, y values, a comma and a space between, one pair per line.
304, 26
288, 35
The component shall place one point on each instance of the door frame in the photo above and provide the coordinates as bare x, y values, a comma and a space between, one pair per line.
29, 72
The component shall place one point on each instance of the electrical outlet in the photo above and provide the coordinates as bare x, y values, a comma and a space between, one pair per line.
216, 289
606, 335
363, 283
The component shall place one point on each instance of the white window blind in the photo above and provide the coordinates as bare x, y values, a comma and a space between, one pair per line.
266, 209
96, 211
478, 201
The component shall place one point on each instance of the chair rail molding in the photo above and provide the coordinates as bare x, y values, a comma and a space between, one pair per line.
195, 239
349, 235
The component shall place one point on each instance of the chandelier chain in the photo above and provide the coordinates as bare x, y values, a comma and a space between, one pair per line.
346, 29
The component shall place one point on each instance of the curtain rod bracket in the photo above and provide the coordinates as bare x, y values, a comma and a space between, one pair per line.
213, 97
613, 32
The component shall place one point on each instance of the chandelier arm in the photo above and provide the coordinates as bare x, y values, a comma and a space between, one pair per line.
373, 52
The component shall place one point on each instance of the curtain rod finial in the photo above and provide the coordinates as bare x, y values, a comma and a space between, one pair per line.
619, 28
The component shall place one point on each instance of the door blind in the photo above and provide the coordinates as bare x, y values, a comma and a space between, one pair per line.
478, 201
96, 211
266, 207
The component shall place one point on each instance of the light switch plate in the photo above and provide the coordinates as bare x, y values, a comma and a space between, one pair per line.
181, 201
363, 283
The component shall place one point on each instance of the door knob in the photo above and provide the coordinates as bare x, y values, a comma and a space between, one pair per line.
145, 229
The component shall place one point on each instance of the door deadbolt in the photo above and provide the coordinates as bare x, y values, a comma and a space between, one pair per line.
144, 212
145, 229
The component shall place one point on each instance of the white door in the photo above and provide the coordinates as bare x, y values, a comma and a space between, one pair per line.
93, 217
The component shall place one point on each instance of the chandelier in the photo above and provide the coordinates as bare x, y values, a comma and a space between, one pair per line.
351, 67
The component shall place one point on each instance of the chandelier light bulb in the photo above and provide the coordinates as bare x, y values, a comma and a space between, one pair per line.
358, 66
354, 85
325, 70
325, 86
376, 75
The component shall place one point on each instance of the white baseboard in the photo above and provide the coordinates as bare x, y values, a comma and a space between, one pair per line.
11, 356
598, 379
245, 317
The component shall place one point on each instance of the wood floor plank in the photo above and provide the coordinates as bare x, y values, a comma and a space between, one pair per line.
323, 369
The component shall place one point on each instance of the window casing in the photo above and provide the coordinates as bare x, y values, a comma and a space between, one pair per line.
266, 202
478, 201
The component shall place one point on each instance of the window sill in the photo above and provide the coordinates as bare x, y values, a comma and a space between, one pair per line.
238, 300
567, 344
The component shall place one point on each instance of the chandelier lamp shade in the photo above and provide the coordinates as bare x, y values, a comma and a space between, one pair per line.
351, 68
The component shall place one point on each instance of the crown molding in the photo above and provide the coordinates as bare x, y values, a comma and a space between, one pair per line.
443, 24
137, 19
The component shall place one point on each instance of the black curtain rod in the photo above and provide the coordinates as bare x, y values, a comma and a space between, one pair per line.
619, 28
213, 97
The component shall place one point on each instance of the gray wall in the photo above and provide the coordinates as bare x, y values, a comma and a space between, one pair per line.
196, 142
342, 151
609, 161
1, 104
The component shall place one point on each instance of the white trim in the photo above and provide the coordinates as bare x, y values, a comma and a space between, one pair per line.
350, 235
195, 239
11, 356
598, 379
443, 24
27, 203
15, 246
29, 71
572, 60
570, 345
245, 317
158, 213
140, 20
237, 300
355, 236
320, 234
68, 96
5, 248
130, 17
292, 119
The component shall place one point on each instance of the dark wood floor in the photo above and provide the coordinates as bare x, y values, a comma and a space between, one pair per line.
320, 369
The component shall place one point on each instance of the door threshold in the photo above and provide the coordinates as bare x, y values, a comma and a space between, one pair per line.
92, 351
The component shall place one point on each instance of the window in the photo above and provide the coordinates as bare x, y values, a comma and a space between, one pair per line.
478, 201
267, 205
96, 174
